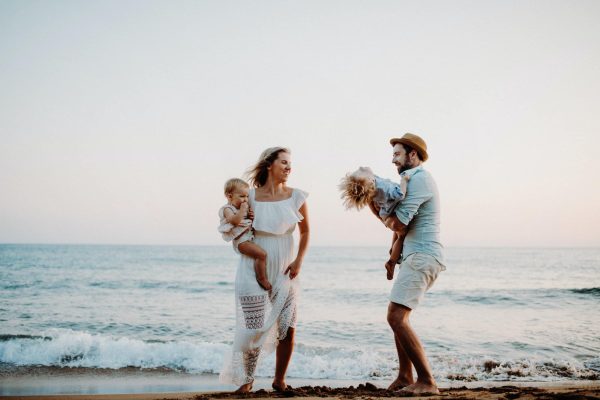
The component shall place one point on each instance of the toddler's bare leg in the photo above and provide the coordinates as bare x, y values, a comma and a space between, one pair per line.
396, 250
395, 255
256, 252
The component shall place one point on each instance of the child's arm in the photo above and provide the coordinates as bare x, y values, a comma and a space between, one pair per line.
375, 210
236, 218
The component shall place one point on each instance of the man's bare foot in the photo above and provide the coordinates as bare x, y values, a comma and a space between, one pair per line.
264, 283
246, 388
399, 384
280, 386
421, 389
389, 267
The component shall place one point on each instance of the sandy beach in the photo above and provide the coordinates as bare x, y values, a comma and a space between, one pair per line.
568, 390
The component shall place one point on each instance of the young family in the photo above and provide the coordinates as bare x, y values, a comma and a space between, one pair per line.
260, 222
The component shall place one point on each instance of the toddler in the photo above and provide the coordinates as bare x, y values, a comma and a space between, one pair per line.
363, 188
236, 226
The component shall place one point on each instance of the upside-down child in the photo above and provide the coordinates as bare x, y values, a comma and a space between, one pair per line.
363, 188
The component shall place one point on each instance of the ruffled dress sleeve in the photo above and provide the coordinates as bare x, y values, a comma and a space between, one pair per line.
279, 217
299, 196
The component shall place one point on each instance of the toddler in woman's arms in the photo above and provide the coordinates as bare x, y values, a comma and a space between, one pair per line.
236, 225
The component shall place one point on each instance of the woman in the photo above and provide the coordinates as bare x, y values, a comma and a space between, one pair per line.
266, 321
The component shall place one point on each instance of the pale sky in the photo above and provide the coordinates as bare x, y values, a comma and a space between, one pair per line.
121, 120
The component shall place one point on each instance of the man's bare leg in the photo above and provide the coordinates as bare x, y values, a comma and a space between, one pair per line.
398, 316
405, 374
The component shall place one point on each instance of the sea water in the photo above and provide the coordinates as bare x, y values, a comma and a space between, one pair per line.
495, 314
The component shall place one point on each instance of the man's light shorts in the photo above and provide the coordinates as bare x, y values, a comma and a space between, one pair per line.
415, 276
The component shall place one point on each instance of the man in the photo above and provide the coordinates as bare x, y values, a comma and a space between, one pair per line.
417, 218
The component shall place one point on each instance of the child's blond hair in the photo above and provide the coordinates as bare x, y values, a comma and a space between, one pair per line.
234, 183
357, 191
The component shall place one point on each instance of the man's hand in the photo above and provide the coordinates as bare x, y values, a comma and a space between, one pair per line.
250, 214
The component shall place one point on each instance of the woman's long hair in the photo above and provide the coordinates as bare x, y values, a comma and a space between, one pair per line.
258, 174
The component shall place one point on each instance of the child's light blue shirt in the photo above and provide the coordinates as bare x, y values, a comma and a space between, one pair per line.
387, 196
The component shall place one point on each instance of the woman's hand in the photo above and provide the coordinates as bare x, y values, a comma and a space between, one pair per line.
293, 269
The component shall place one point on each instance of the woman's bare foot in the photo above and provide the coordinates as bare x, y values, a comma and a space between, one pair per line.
264, 283
389, 267
245, 388
421, 389
399, 384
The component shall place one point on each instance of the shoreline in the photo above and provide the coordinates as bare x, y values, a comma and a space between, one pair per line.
132, 383
488, 391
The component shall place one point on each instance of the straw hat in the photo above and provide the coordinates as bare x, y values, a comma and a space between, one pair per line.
413, 141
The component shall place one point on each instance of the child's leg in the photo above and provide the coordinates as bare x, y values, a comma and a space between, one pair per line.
397, 244
395, 254
397, 249
253, 250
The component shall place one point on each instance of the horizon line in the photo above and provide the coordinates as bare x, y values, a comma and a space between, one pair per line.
312, 246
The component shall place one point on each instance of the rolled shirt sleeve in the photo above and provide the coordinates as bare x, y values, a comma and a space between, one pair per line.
417, 193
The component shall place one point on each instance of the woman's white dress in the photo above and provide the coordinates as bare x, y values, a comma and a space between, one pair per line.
262, 319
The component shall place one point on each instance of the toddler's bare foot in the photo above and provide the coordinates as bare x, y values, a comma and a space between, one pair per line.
389, 267
264, 283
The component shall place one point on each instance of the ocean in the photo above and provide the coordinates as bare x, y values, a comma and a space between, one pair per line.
495, 314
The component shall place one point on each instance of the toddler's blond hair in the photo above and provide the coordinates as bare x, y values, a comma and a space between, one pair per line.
234, 183
357, 191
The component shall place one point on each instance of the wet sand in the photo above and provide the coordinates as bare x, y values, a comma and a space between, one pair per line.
542, 391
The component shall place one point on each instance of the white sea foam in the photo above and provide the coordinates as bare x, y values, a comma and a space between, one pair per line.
67, 348
81, 349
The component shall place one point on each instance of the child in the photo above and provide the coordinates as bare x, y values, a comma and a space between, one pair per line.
237, 227
363, 188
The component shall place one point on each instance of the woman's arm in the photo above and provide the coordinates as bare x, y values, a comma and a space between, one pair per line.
304, 226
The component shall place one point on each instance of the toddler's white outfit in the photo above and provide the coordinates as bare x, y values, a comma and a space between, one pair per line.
237, 233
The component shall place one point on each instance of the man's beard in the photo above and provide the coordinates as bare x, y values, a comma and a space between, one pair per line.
404, 167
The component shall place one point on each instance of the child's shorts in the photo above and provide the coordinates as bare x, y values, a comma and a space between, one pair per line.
244, 237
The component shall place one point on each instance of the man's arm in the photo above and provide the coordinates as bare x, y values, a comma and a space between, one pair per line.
419, 193
393, 223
